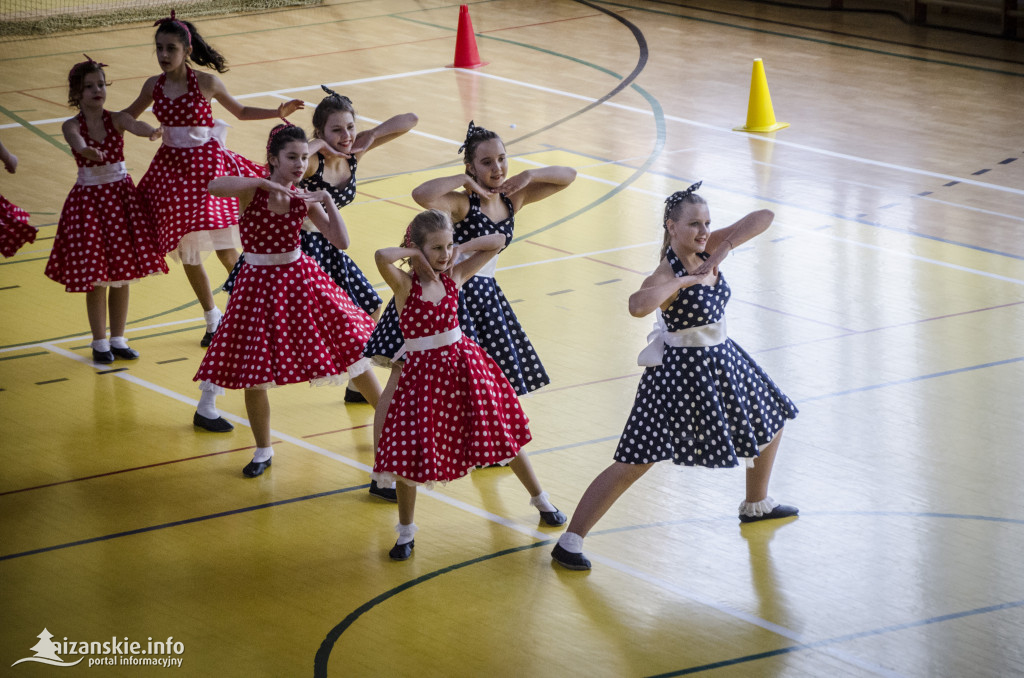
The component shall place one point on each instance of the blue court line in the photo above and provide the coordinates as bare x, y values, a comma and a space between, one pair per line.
177, 523
911, 380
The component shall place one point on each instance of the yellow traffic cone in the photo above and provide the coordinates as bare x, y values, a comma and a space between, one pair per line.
760, 114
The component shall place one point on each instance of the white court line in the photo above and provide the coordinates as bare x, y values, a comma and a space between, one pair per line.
487, 515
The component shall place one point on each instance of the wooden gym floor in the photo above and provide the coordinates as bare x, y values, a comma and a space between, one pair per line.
886, 300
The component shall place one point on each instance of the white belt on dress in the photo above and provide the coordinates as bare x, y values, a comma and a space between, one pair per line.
434, 341
193, 137
690, 337
487, 270
104, 174
275, 259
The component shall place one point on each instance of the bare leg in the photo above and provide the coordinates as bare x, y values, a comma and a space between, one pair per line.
367, 385
523, 469
257, 407
602, 493
118, 310
406, 502
200, 283
761, 473
96, 309
228, 258
383, 402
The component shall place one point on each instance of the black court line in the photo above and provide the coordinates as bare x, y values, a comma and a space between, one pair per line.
323, 654
178, 523
172, 360
116, 369
51, 381
10, 287
24, 355
608, 282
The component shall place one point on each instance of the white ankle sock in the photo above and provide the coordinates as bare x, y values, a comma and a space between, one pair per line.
208, 401
756, 509
212, 318
571, 542
405, 532
101, 345
542, 502
119, 342
262, 454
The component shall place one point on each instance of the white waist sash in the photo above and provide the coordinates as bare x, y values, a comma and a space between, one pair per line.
276, 259
433, 341
193, 137
691, 337
487, 270
104, 174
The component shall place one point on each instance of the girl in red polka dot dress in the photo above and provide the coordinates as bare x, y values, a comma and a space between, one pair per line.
191, 222
15, 230
105, 237
287, 321
453, 409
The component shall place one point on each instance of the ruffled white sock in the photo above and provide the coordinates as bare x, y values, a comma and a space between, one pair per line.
101, 345
542, 502
571, 542
208, 400
405, 532
119, 342
262, 454
756, 509
212, 318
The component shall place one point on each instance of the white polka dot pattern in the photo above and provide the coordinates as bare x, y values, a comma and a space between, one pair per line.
453, 409
105, 234
15, 230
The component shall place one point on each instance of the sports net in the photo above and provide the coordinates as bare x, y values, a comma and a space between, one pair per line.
37, 17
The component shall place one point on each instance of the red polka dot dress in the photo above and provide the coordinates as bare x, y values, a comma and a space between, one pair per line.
105, 235
453, 409
177, 180
14, 228
285, 322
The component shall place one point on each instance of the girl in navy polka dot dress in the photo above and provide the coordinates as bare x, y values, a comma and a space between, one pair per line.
335, 151
287, 321
453, 409
105, 237
482, 200
190, 221
15, 230
702, 400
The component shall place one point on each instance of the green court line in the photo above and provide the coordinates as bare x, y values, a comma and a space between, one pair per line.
34, 129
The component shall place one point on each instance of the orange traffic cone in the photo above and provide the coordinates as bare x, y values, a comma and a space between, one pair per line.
760, 114
466, 55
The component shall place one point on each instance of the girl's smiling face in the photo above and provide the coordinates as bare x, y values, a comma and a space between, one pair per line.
438, 248
690, 230
290, 162
340, 131
490, 166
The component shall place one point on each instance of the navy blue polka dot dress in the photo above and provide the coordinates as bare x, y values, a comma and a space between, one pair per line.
485, 315
336, 263
705, 405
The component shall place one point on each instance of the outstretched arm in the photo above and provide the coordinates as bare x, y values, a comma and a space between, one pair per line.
724, 240
536, 184
73, 135
144, 99
127, 123
9, 160
243, 188
389, 130
213, 88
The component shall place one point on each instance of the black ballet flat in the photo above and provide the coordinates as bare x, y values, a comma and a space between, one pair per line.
103, 357
780, 511
206, 340
354, 396
218, 425
401, 551
570, 561
553, 518
385, 493
255, 468
124, 353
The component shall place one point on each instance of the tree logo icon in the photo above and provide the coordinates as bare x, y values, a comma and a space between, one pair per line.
46, 652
